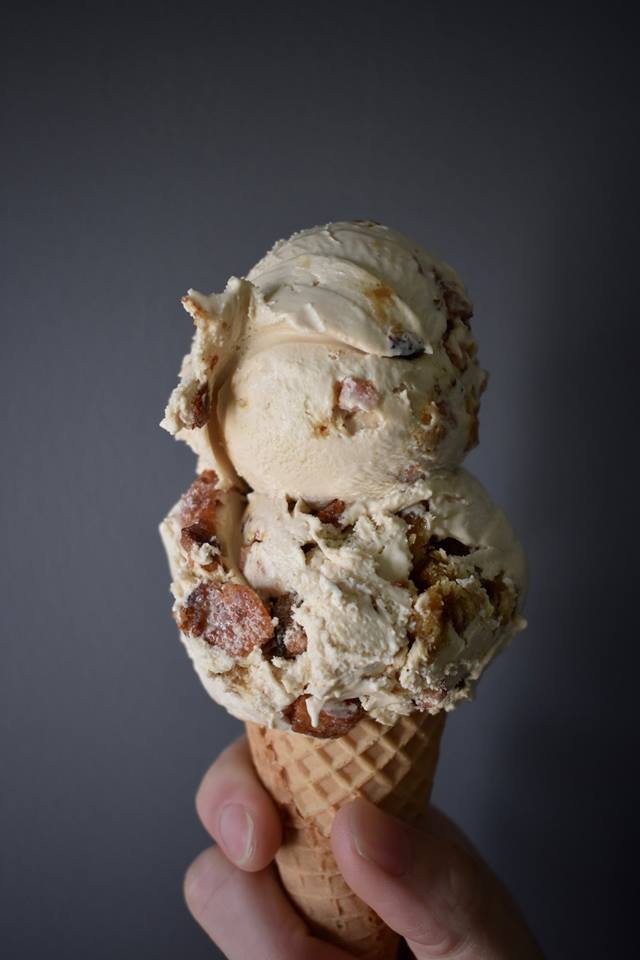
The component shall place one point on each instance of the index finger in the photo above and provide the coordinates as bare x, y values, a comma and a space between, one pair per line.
237, 811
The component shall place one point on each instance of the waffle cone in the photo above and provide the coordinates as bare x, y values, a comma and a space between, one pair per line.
310, 779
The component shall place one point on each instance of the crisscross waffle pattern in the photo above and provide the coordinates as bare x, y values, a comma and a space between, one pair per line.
311, 779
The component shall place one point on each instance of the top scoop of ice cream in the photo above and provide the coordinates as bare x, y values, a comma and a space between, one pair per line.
342, 367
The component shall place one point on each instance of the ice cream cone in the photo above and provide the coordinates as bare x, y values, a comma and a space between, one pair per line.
310, 779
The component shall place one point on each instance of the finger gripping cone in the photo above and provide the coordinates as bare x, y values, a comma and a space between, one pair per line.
310, 779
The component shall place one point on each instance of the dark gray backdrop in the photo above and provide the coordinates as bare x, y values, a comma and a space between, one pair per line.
148, 149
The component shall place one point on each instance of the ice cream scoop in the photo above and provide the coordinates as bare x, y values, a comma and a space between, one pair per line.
333, 559
321, 616
343, 366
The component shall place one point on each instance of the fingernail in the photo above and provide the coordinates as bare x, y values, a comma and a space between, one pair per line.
380, 839
236, 833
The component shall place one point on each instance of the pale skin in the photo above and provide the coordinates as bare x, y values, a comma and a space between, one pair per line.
430, 886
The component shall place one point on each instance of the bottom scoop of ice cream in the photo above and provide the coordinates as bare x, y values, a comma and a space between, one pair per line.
306, 617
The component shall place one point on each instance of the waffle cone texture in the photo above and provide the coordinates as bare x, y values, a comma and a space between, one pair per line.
310, 779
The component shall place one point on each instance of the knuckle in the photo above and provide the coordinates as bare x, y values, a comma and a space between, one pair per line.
461, 888
442, 943
205, 881
452, 911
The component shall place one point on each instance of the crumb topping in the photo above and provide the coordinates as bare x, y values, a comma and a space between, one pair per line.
289, 638
472, 404
333, 721
457, 305
230, 616
356, 393
198, 511
201, 501
331, 512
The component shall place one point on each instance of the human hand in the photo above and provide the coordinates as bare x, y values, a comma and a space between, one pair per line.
430, 886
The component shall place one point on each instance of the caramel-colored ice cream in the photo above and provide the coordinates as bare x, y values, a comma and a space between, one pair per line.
333, 558
343, 366
398, 607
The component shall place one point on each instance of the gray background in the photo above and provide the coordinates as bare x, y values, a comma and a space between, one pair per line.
148, 149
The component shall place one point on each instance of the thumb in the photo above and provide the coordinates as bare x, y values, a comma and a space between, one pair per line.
429, 887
